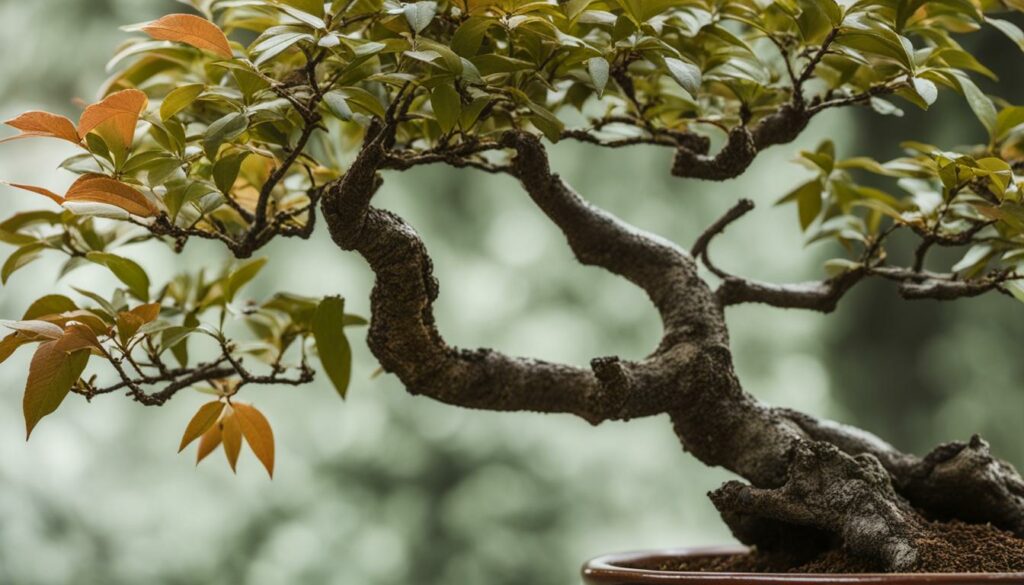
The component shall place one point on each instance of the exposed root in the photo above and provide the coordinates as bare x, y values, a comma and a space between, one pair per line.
964, 481
956, 480
828, 493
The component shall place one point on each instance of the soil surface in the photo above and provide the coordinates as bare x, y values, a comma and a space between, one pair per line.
951, 547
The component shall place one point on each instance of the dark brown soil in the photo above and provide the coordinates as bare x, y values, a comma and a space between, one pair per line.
951, 547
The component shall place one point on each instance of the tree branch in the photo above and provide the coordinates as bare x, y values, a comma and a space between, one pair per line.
405, 339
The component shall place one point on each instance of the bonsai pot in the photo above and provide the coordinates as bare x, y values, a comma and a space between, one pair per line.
629, 569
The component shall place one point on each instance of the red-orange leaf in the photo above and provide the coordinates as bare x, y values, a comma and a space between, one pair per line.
232, 436
191, 30
204, 419
257, 432
120, 110
37, 123
100, 189
44, 192
50, 377
210, 440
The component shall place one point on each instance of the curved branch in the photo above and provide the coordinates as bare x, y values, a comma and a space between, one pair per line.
742, 146
666, 272
700, 247
404, 337
824, 295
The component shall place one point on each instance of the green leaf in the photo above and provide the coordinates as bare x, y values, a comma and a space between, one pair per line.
49, 305
127, 271
338, 105
808, 200
179, 99
1016, 289
1009, 29
19, 259
1007, 119
223, 130
599, 71
546, 121
447, 106
974, 260
878, 40
885, 107
305, 17
686, 74
241, 276
314, 7
926, 90
980, 103
225, 170
419, 15
361, 99
50, 376
470, 35
277, 44
331, 343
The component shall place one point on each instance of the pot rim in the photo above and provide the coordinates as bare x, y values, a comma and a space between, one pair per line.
609, 570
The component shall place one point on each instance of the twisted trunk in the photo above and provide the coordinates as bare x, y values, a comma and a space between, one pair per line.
807, 477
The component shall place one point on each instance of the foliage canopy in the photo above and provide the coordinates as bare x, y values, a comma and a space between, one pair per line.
233, 123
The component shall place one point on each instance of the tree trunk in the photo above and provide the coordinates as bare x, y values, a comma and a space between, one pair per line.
807, 478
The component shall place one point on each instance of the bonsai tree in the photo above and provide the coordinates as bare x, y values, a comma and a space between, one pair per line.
245, 121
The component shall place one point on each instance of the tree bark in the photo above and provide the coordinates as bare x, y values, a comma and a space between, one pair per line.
807, 477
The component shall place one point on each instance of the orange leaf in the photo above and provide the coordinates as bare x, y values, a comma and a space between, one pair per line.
78, 337
257, 432
210, 440
50, 377
147, 313
44, 192
204, 419
128, 325
83, 316
191, 30
121, 110
232, 435
100, 189
10, 344
37, 123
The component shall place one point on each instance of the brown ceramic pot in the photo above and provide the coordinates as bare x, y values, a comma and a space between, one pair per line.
615, 570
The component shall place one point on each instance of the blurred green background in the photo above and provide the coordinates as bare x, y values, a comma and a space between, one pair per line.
386, 489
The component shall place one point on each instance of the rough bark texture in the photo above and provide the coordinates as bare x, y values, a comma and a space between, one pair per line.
808, 478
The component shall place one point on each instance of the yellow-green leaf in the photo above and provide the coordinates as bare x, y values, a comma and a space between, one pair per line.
49, 305
447, 106
127, 271
331, 343
179, 99
241, 276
